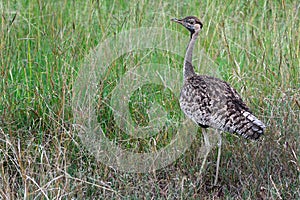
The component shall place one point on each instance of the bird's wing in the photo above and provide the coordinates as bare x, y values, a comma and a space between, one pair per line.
224, 107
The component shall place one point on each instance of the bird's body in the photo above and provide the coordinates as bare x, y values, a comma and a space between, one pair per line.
211, 102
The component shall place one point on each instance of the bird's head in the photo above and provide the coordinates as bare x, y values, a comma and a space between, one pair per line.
193, 24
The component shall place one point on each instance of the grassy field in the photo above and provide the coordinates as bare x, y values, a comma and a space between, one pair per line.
254, 45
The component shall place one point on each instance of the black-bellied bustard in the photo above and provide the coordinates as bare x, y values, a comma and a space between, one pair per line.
211, 102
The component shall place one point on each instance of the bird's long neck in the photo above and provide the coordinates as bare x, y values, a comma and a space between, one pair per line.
188, 69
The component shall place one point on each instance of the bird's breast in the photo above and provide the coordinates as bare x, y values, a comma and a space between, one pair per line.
195, 104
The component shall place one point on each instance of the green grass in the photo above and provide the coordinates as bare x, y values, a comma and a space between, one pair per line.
254, 45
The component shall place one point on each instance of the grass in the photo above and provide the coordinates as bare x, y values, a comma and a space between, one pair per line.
254, 45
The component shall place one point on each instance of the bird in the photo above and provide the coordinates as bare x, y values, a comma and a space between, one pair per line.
211, 102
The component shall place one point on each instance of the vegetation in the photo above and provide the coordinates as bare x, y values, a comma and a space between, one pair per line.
254, 45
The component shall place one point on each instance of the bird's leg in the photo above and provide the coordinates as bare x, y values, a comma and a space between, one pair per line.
207, 148
219, 156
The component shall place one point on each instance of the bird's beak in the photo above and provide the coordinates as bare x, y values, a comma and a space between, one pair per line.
176, 20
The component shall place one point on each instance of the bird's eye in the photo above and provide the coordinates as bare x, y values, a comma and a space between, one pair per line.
192, 21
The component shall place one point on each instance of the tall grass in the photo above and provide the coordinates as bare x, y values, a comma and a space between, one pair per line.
253, 44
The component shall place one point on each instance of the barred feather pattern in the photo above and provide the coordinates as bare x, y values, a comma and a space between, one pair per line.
211, 102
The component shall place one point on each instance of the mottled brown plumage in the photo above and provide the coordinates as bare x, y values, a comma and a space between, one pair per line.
211, 102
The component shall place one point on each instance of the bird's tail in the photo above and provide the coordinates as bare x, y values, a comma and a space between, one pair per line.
249, 126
